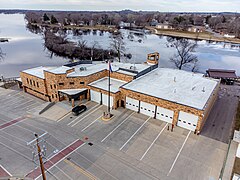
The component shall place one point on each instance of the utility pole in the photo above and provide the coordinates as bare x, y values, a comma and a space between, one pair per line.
40, 158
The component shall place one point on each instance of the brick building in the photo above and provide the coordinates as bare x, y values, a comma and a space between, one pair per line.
174, 96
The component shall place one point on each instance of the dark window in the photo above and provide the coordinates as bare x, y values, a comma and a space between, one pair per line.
61, 84
37, 84
71, 83
81, 82
27, 81
56, 95
51, 86
30, 81
52, 95
55, 86
34, 83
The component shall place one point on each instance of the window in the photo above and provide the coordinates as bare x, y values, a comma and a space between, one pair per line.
71, 83
34, 83
37, 84
61, 84
51, 86
52, 95
27, 81
56, 95
81, 82
55, 86
30, 81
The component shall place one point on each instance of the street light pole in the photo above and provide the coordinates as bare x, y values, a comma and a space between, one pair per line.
40, 158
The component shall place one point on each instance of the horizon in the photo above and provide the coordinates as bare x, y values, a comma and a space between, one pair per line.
178, 6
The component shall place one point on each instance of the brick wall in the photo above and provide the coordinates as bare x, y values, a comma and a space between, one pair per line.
165, 104
122, 77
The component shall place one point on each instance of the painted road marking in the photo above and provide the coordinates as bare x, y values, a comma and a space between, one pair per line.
135, 133
91, 123
5, 125
153, 142
4, 172
64, 116
81, 170
81, 116
54, 160
85, 116
117, 127
179, 153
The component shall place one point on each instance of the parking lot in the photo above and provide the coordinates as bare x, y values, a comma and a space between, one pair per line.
129, 146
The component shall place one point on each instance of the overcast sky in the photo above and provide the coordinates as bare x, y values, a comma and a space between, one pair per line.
154, 5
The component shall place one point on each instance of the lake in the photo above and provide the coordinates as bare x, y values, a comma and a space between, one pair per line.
26, 50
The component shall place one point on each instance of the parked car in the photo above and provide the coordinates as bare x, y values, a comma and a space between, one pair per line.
79, 109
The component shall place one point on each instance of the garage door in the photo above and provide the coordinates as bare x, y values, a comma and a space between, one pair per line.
132, 104
188, 121
105, 100
164, 114
95, 96
147, 109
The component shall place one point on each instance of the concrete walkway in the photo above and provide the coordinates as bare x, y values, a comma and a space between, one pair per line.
227, 171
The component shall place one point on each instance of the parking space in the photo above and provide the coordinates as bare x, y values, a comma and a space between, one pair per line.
129, 146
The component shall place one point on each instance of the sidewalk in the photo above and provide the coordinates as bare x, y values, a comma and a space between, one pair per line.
227, 171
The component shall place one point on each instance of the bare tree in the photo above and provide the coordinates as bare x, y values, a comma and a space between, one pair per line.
184, 56
117, 44
1, 54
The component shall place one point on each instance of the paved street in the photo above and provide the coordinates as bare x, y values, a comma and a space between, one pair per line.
130, 146
220, 121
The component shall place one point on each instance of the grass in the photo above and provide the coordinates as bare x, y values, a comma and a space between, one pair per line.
193, 35
237, 119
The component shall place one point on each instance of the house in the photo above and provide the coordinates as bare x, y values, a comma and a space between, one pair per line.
226, 76
163, 26
175, 96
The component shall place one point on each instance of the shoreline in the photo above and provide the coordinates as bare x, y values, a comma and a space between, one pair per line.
191, 35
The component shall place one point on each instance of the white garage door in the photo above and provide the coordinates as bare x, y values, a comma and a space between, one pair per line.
164, 114
132, 104
147, 109
105, 100
188, 121
95, 96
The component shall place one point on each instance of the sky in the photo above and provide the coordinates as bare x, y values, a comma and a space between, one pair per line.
145, 5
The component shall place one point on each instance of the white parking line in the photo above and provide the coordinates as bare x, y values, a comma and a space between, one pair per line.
85, 116
91, 123
64, 116
178, 154
22, 104
153, 142
117, 127
5, 170
135, 133
81, 116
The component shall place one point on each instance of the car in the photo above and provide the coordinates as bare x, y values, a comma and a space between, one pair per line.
79, 109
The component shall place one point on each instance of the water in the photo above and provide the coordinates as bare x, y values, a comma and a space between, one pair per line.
26, 50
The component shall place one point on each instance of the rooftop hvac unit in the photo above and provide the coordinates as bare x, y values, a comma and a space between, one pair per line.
133, 68
82, 68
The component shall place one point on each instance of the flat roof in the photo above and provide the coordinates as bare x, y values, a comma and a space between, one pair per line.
174, 85
71, 92
88, 69
59, 70
38, 71
115, 84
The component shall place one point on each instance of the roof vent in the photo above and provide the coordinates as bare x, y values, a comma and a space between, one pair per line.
193, 87
203, 90
175, 79
133, 67
82, 68
175, 90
